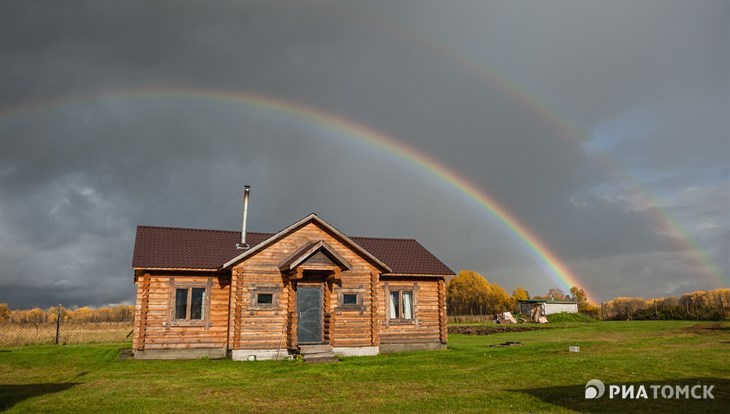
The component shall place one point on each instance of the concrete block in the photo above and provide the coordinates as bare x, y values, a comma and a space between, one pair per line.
210, 353
356, 350
259, 354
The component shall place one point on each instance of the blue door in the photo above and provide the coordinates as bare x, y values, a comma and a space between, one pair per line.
309, 306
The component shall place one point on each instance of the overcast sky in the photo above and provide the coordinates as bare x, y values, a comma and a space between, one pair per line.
601, 126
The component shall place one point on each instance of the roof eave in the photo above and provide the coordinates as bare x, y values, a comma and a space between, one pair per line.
195, 269
415, 275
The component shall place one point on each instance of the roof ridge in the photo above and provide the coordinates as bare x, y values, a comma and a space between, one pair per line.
382, 238
195, 229
262, 232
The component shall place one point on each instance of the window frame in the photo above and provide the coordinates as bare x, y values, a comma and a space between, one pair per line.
400, 288
358, 306
174, 285
273, 290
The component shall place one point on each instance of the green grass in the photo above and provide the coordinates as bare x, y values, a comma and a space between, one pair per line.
538, 376
569, 317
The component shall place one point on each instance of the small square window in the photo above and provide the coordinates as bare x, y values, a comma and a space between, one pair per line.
265, 299
349, 299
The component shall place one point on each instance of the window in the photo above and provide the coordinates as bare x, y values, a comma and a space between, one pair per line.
264, 297
189, 303
401, 305
349, 299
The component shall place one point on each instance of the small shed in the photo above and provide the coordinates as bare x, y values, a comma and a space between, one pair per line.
547, 306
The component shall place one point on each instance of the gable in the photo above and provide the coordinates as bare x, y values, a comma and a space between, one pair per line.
318, 254
320, 259
326, 227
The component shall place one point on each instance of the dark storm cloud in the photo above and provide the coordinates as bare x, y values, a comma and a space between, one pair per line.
77, 176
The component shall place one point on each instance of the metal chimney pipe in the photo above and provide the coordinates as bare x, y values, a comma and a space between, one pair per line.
243, 245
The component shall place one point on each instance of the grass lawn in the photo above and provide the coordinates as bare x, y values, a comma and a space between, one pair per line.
537, 376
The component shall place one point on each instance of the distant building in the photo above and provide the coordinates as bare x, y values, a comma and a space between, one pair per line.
547, 306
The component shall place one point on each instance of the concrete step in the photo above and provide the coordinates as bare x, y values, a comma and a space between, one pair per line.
314, 349
317, 353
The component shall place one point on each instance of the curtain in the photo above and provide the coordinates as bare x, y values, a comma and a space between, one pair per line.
197, 303
407, 305
394, 314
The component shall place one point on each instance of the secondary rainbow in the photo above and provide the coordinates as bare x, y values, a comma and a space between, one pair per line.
558, 271
569, 131
682, 239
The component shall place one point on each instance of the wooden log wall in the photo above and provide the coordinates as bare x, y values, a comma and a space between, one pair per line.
235, 308
374, 325
443, 334
261, 326
156, 330
329, 314
427, 326
292, 317
141, 309
353, 327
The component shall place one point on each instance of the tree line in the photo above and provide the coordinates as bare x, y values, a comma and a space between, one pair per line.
469, 293
116, 313
700, 305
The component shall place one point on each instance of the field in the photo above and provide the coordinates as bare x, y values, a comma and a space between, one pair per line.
538, 376
14, 334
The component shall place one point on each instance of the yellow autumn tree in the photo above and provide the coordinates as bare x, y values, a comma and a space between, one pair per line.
469, 293
498, 300
520, 293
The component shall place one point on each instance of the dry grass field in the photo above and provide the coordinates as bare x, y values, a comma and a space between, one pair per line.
14, 334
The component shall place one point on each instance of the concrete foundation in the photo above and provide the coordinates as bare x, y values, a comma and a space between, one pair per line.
356, 350
419, 346
260, 354
210, 353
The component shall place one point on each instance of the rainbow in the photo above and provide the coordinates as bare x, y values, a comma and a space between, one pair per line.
557, 270
681, 239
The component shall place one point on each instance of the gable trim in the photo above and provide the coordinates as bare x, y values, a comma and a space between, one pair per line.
310, 249
312, 217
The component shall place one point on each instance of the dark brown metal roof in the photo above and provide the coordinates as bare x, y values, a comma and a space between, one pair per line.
181, 248
404, 256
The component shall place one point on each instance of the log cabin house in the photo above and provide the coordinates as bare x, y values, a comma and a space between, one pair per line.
309, 286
